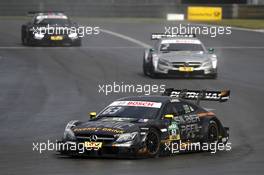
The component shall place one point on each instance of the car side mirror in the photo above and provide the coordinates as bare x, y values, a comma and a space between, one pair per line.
211, 50
151, 50
168, 116
92, 115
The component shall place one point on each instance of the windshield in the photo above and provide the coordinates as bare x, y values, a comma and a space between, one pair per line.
52, 21
168, 47
130, 112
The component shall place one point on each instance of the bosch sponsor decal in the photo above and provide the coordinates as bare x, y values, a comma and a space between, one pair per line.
51, 17
137, 104
181, 41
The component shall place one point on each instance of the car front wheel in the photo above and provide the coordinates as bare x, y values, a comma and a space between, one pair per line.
153, 143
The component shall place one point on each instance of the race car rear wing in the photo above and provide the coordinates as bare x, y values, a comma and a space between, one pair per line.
157, 36
220, 96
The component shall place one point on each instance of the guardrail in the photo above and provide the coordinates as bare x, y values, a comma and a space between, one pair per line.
121, 8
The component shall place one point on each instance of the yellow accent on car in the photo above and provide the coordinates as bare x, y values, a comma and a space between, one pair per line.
95, 145
185, 69
56, 38
168, 116
92, 115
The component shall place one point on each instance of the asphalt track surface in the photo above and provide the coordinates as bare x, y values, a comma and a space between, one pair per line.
41, 89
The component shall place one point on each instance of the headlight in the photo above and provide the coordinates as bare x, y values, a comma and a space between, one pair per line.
126, 137
163, 62
73, 35
207, 64
68, 133
38, 36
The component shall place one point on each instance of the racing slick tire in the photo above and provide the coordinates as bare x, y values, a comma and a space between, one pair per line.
212, 132
211, 136
153, 143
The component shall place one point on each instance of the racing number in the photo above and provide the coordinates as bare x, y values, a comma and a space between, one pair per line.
111, 110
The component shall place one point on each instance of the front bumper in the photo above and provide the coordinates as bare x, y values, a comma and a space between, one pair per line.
46, 41
72, 148
196, 71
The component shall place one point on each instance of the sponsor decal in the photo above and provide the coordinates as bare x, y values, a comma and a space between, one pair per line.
208, 95
205, 13
137, 104
181, 41
93, 145
117, 131
51, 17
116, 119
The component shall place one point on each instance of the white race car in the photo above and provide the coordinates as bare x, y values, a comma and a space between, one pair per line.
179, 55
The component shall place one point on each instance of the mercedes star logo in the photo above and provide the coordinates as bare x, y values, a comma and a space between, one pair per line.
186, 64
93, 138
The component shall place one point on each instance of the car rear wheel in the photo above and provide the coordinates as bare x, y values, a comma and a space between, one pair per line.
153, 143
213, 133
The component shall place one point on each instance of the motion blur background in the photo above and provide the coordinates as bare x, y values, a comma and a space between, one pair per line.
43, 88
245, 9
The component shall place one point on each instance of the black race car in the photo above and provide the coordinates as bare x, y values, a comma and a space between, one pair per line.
147, 126
50, 28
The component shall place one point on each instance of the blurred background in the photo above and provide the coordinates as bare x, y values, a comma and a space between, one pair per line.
232, 9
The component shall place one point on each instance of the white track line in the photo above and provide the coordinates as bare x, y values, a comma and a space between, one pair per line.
140, 43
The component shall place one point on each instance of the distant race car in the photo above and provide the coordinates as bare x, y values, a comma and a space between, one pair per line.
50, 28
146, 125
181, 56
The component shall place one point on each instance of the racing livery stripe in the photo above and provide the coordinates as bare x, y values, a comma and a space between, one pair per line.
204, 114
